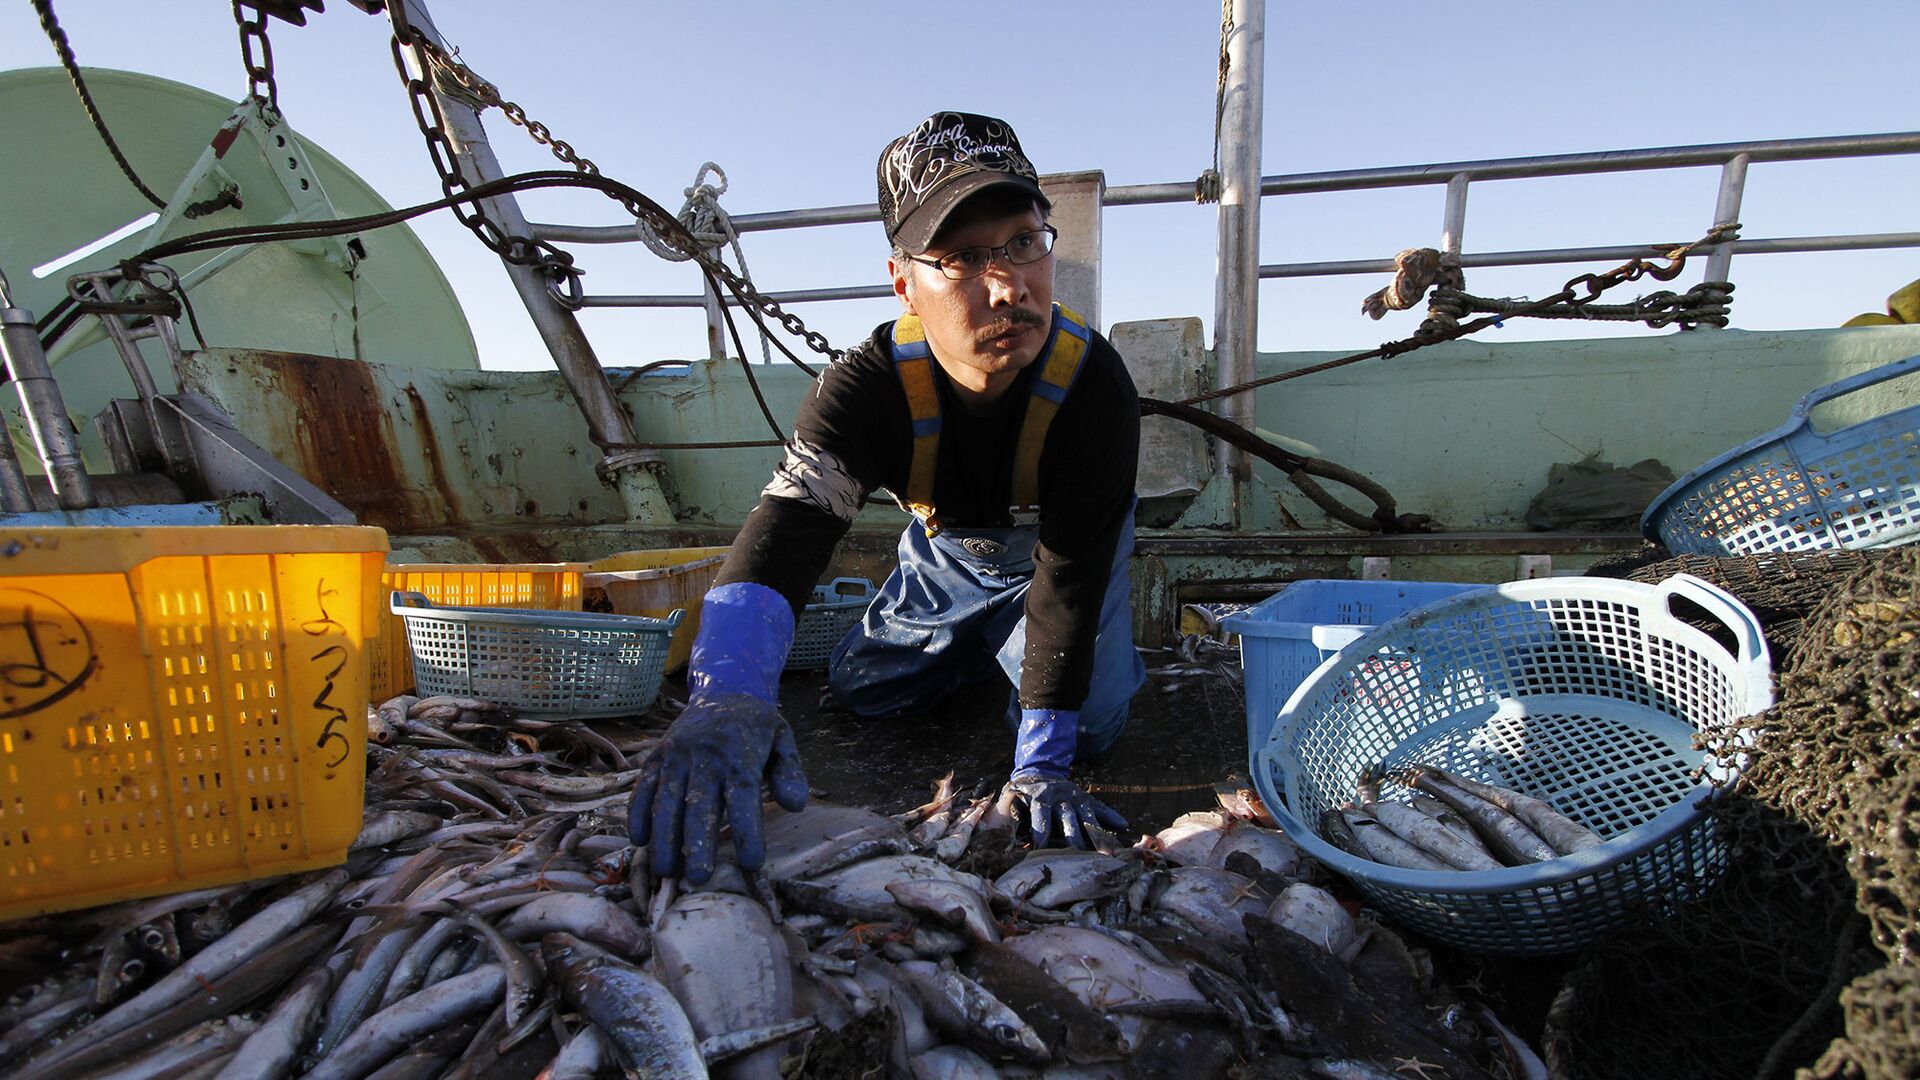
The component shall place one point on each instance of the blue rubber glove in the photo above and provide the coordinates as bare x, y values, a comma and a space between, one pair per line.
1056, 810
730, 737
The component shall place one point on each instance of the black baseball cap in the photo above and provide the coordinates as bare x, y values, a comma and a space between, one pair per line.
928, 172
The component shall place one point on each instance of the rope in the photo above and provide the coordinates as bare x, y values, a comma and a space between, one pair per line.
59, 38
1415, 271
1206, 188
706, 222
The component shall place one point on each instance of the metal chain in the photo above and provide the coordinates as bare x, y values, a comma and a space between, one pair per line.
253, 32
562, 277
1431, 333
489, 96
59, 38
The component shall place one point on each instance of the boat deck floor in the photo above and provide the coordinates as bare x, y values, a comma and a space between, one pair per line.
1185, 733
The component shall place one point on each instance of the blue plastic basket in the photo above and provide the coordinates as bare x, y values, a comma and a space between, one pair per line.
1795, 489
1585, 692
836, 606
1284, 637
537, 663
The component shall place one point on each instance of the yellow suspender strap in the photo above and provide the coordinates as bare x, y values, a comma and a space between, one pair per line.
913, 360
1060, 365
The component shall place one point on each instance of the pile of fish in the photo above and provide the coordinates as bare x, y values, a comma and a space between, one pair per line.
1452, 823
494, 921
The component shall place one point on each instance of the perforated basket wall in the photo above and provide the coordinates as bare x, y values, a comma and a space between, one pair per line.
836, 607
543, 586
538, 663
1582, 692
179, 707
1796, 489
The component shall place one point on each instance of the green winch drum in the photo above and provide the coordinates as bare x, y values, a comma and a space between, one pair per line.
1587, 693
537, 663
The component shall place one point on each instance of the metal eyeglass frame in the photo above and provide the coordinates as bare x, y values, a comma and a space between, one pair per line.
1003, 251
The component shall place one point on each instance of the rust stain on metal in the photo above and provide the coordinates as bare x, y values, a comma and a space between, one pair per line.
342, 434
430, 450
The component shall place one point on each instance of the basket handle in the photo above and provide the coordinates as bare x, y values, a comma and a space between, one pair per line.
1859, 381
1755, 665
849, 587
401, 602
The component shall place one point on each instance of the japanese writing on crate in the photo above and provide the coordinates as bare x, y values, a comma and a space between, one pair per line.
329, 653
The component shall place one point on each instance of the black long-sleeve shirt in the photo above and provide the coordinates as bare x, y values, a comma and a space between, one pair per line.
854, 434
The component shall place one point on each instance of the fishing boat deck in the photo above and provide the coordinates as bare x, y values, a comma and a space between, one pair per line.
1187, 732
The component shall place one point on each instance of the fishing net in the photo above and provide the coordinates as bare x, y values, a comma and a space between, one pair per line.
1802, 960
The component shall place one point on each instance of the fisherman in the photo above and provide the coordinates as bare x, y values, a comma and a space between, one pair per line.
1010, 430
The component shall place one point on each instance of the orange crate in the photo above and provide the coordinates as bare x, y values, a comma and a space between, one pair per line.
656, 583
179, 707
545, 586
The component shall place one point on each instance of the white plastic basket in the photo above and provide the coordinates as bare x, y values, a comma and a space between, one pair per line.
538, 663
836, 606
1796, 489
1584, 692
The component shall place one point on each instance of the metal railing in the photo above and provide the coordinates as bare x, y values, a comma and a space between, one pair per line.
1733, 159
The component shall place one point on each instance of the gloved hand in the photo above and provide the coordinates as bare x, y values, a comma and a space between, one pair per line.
718, 750
1042, 754
729, 738
1054, 807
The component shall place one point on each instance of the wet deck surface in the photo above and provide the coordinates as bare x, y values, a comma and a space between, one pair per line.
1186, 732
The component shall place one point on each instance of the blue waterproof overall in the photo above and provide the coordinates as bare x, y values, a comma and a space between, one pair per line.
956, 606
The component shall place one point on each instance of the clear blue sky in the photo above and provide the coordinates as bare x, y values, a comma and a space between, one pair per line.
794, 100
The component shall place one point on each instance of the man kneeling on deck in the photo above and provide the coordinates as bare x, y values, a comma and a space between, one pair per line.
1010, 430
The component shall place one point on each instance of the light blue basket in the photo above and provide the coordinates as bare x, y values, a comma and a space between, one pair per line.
1284, 637
836, 606
537, 663
1585, 692
1795, 489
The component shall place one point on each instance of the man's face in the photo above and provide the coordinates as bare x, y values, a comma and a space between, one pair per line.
985, 329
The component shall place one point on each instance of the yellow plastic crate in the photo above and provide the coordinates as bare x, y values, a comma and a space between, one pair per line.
179, 707
656, 583
545, 586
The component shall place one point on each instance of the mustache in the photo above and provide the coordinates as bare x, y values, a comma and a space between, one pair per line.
1012, 320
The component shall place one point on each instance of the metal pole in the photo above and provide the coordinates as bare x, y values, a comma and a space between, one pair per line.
716, 319
1726, 211
1453, 221
1237, 279
45, 412
631, 470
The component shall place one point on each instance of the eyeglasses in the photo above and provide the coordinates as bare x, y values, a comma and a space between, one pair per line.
971, 262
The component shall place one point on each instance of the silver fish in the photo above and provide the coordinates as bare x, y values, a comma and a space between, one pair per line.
584, 916
269, 925
949, 901
729, 968
582, 1057
1314, 914
273, 1048
1430, 836
1447, 816
965, 1010
1214, 901
951, 1063
387, 1032
1506, 836
1058, 877
650, 1032
1565, 834
1382, 845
